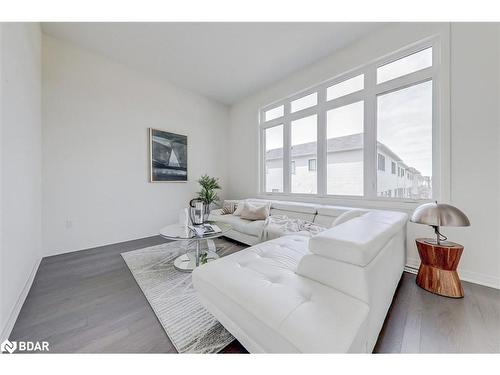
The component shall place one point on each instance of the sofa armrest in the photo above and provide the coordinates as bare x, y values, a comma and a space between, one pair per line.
359, 240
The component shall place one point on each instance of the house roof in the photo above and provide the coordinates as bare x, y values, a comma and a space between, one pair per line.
339, 144
346, 143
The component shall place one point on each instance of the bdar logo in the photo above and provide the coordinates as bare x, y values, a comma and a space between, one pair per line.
8, 346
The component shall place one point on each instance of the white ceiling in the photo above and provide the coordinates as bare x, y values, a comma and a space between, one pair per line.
223, 61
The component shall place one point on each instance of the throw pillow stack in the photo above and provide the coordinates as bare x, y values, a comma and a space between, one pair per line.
247, 210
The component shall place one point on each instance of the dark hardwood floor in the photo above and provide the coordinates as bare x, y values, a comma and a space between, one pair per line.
88, 301
422, 322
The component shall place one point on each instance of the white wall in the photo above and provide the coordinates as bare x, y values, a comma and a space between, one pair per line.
473, 97
475, 166
20, 158
96, 115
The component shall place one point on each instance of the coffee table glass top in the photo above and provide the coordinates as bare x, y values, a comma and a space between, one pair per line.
182, 232
191, 259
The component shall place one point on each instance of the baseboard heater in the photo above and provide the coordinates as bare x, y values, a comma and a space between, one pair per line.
411, 269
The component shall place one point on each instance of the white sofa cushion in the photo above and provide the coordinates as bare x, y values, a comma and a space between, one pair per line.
294, 206
261, 281
342, 276
346, 216
358, 240
333, 211
328, 214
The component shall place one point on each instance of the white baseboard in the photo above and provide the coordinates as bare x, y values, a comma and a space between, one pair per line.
412, 265
7, 329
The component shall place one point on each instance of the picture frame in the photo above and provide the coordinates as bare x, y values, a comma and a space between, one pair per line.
167, 156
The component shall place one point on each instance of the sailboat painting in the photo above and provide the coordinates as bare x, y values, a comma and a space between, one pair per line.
168, 156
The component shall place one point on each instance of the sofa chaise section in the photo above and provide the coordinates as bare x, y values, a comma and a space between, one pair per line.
259, 298
328, 293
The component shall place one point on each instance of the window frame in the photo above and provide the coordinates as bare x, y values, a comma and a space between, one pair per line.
440, 123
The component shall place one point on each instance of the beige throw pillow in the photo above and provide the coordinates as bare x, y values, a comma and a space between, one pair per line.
239, 208
254, 212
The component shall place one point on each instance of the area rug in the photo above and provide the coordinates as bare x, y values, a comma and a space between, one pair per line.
190, 327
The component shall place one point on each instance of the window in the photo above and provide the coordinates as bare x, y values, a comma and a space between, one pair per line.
303, 147
406, 65
404, 126
343, 136
345, 87
381, 162
312, 165
274, 113
304, 102
274, 159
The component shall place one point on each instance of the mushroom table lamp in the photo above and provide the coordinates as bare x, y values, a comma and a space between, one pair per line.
439, 215
439, 258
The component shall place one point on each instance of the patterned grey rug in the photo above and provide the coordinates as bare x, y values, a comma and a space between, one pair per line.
190, 327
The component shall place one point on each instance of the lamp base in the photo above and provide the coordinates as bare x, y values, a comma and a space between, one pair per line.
438, 268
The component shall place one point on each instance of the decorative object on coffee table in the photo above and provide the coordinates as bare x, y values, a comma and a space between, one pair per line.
439, 258
197, 208
208, 193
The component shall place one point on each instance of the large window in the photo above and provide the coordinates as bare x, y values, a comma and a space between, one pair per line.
365, 134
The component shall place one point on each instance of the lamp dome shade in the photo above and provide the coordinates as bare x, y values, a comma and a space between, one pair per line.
439, 214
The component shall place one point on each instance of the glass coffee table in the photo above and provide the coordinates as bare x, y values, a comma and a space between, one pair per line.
192, 259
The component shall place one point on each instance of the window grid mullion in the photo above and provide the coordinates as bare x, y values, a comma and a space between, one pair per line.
370, 136
287, 176
262, 164
321, 151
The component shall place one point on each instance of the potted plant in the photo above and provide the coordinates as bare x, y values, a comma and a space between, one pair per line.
207, 194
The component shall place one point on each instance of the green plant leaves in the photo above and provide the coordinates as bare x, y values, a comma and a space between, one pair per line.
208, 186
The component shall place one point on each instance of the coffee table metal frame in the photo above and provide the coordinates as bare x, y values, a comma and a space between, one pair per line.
191, 259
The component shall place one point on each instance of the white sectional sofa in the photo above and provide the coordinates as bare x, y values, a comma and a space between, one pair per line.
248, 232
327, 293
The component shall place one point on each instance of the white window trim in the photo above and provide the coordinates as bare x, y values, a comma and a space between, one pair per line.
438, 73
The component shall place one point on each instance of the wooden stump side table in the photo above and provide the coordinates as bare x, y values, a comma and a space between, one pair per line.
438, 268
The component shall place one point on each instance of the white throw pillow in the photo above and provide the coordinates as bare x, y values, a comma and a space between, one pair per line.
254, 211
346, 216
239, 208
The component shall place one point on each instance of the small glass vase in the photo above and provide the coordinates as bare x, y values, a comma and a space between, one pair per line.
206, 212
